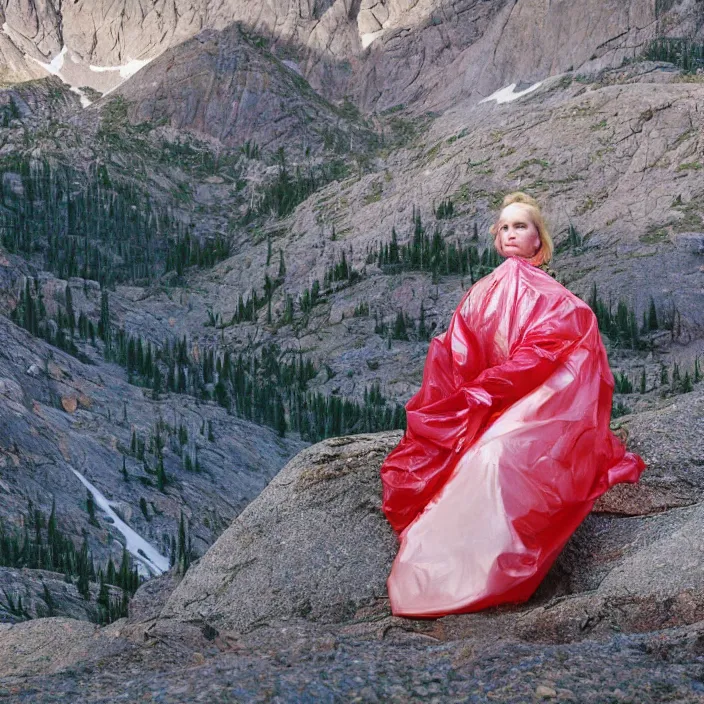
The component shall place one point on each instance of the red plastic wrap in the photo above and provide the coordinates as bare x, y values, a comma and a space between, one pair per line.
506, 449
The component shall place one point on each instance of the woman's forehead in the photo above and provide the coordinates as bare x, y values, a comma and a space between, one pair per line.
514, 212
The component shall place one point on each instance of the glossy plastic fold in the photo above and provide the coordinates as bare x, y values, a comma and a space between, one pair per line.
506, 449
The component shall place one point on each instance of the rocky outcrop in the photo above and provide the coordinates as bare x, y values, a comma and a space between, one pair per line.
53, 644
222, 85
617, 163
26, 594
315, 545
670, 437
626, 575
102, 44
469, 50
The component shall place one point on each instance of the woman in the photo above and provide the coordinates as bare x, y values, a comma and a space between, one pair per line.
507, 443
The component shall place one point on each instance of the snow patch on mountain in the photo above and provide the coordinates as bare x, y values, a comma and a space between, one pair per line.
369, 37
507, 94
150, 561
55, 65
85, 100
126, 70
54, 68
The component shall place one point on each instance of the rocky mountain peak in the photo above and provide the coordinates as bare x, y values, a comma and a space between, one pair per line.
428, 53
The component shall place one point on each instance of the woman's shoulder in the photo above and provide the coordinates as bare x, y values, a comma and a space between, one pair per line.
549, 270
517, 272
552, 287
559, 281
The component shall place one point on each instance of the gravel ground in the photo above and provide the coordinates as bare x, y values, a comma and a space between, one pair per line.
625, 670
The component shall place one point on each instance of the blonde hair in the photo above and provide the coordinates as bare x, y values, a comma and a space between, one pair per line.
544, 254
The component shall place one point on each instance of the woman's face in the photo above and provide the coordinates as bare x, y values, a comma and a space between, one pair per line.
516, 235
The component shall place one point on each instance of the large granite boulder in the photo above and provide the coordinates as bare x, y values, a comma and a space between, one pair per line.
316, 545
670, 437
302, 572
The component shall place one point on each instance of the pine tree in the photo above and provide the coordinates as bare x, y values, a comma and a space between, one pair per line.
83, 583
104, 331
280, 416
156, 383
686, 383
183, 557
664, 378
393, 248
161, 479
652, 316
69, 310
103, 599
53, 541
123, 578
90, 507
110, 572
643, 381
400, 332
422, 330
623, 384
49, 601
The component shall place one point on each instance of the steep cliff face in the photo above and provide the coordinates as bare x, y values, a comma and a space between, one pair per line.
384, 53
452, 52
224, 85
103, 43
66, 437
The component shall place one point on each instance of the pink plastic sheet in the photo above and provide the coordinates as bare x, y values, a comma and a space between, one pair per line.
506, 449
